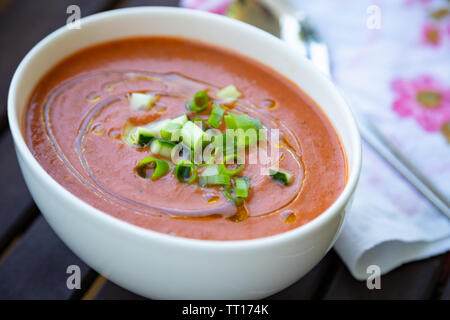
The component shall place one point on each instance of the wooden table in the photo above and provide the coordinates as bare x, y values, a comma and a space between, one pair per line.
33, 260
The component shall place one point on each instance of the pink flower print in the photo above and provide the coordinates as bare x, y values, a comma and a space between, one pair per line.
440, 14
214, 6
431, 34
424, 99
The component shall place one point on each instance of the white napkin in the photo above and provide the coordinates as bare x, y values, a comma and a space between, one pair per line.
390, 223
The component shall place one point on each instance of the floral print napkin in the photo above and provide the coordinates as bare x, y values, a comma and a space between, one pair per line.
391, 60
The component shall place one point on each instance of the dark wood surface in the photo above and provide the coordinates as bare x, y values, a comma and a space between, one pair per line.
33, 260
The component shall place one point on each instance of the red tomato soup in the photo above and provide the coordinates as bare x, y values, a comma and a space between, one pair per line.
107, 122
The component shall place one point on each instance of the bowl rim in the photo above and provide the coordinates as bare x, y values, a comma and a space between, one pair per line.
147, 234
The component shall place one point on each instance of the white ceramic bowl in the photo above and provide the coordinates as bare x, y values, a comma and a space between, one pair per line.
156, 265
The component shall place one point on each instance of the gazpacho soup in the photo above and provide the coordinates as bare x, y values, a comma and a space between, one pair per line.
186, 139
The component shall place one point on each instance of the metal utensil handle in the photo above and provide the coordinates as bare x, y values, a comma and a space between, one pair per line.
404, 167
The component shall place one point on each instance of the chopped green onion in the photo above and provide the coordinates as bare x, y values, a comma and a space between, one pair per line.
180, 152
162, 147
242, 186
241, 121
282, 176
160, 168
199, 102
216, 116
220, 141
239, 192
192, 135
223, 168
257, 123
226, 143
229, 93
230, 193
209, 153
217, 180
185, 170
142, 101
250, 128
171, 132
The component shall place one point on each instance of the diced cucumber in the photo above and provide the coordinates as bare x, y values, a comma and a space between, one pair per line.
139, 136
229, 93
142, 101
162, 147
193, 136
282, 176
171, 132
181, 119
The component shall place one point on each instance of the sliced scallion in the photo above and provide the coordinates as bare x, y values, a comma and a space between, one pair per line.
209, 154
226, 143
241, 121
281, 176
199, 102
159, 167
185, 172
223, 168
199, 122
248, 128
217, 180
216, 116
239, 192
241, 185
230, 193
180, 152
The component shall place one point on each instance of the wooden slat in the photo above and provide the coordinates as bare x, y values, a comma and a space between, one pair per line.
94, 288
312, 284
4, 4
17, 207
36, 267
444, 293
23, 24
416, 280
111, 291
